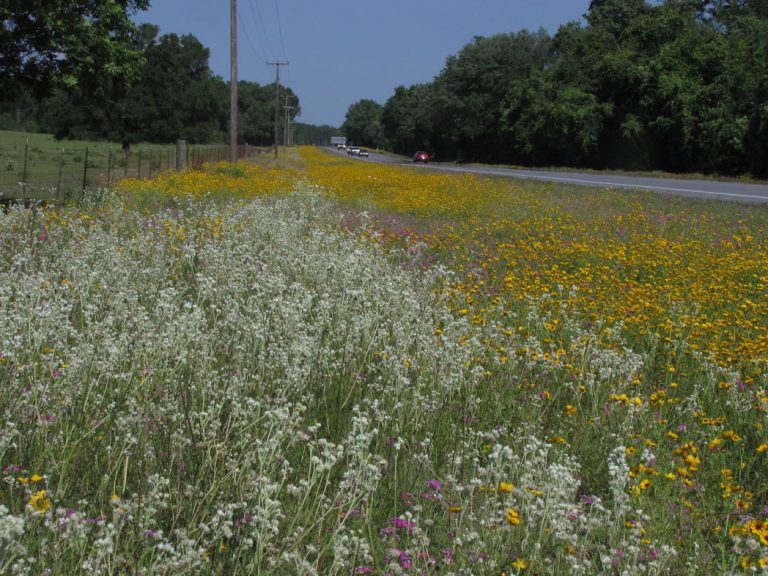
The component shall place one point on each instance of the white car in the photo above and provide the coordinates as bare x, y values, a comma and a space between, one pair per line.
362, 153
354, 151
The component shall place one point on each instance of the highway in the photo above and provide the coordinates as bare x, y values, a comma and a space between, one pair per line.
712, 189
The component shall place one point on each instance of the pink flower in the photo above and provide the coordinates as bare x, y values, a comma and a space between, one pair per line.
401, 523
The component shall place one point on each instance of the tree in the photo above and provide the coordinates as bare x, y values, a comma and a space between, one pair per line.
469, 94
177, 95
312, 134
362, 124
405, 119
256, 105
67, 43
173, 96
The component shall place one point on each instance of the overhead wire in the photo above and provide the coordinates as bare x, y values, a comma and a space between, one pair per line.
280, 29
260, 24
244, 28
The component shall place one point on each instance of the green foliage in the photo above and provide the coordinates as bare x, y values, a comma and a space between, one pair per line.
175, 96
362, 124
74, 44
673, 85
316, 135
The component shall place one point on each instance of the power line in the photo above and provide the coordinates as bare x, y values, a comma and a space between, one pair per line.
260, 24
248, 37
280, 29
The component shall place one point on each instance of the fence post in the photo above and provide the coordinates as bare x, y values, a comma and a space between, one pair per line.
109, 168
24, 173
58, 181
85, 172
181, 154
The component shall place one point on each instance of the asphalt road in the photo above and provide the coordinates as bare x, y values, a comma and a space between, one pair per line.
711, 189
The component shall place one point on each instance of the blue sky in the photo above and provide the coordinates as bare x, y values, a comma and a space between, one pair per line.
341, 51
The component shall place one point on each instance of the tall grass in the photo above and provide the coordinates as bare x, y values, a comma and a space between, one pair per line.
286, 384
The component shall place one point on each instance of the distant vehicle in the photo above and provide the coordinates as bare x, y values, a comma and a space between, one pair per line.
362, 153
421, 156
341, 146
353, 151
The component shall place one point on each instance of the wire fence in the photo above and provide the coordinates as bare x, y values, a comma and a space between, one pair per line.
64, 173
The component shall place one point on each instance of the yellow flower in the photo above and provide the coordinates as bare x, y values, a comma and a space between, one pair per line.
760, 529
570, 409
454, 509
513, 517
519, 564
36, 478
39, 502
506, 487
762, 449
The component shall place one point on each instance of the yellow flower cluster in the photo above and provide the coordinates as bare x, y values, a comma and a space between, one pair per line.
243, 180
686, 277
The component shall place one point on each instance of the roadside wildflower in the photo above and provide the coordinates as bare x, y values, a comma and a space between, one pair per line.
760, 529
39, 502
513, 517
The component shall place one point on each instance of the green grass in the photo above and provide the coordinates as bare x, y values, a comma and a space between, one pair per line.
37, 166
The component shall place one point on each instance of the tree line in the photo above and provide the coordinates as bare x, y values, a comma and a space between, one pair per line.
677, 85
81, 69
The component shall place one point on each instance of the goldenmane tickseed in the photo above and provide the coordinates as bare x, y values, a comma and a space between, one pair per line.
341, 368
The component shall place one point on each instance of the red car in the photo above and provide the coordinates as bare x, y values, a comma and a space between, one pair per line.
421, 156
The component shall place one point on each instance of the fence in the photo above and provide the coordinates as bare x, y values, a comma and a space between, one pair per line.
35, 171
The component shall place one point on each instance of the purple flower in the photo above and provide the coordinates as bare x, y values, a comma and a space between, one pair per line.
401, 523
405, 561
363, 570
434, 485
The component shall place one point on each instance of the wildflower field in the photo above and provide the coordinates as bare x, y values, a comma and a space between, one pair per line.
329, 366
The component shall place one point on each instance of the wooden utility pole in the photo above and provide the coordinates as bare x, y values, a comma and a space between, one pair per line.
277, 65
287, 135
233, 83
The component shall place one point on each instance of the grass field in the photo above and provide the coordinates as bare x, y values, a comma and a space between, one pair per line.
38, 167
323, 366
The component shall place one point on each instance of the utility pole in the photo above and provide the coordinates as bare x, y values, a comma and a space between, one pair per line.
286, 136
233, 83
277, 65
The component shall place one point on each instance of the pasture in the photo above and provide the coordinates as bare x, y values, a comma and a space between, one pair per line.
329, 367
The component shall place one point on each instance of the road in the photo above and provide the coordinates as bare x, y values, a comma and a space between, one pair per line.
712, 189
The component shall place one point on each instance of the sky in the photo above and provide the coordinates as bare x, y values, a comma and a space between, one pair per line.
342, 51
